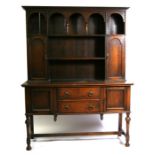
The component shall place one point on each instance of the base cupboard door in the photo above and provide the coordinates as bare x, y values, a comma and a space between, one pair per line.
40, 99
117, 99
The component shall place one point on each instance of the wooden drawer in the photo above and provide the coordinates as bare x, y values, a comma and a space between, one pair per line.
88, 93
68, 93
77, 106
78, 93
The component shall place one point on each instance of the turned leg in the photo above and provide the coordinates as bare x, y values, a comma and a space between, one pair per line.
32, 126
101, 116
127, 129
28, 127
119, 124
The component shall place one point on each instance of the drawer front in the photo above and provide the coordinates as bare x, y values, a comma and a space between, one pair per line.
79, 106
68, 93
78, 93
89, 93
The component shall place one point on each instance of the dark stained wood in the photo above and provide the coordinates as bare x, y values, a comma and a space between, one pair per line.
77, 24
83, 83
32, 126
77, 36
56, 24
28, 126
40, 100
90, 49
76, 65
96, 24
36, 58
74, 59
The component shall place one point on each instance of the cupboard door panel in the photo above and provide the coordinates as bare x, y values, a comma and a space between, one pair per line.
37, 62
115, 58
40, 100
116, 99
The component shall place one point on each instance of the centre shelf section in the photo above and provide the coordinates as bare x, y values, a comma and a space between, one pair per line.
68, 70
76, 47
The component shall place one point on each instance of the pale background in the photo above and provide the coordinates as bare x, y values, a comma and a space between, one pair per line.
139, 69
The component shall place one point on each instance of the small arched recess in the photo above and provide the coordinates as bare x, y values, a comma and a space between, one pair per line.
33, 23
56, 24
96, 24
116, 24
77, 24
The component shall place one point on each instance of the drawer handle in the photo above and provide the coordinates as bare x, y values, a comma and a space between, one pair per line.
91, 107
66, 107
66, 94
90, 93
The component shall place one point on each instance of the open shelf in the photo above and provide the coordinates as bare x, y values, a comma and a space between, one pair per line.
74, 58
76, 70
77, 36
82, 80
76, 47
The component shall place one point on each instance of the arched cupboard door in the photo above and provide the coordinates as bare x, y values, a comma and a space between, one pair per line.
115, 58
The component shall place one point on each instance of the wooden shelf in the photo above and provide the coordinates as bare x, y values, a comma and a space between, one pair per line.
74, 36
79, 80
74, 58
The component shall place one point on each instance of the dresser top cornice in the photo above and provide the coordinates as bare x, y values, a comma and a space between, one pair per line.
73, 7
